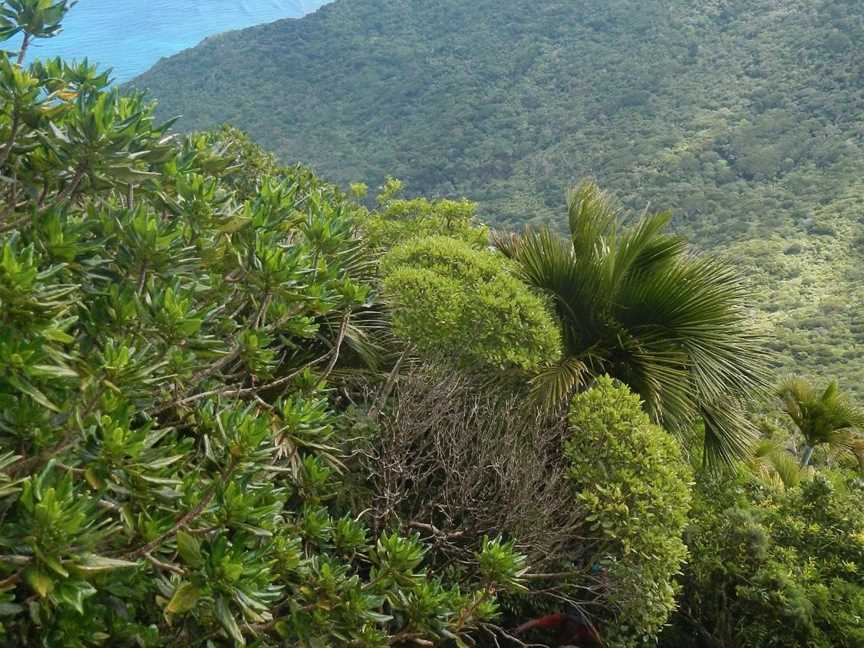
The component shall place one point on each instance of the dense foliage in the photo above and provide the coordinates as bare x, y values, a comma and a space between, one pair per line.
598, 497
772, 568
742, 115
398, 219
635, 488
450, 299
172, 463
241, 407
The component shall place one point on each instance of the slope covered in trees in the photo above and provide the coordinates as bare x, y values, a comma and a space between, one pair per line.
742, 114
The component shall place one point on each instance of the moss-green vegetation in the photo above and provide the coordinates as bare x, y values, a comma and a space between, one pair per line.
450, 299
771, 568
742, 115
398, 219
240, 408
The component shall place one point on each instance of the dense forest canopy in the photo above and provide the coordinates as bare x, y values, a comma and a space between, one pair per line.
243, 406
742, 115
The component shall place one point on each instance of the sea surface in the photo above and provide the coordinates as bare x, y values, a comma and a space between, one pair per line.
131, 35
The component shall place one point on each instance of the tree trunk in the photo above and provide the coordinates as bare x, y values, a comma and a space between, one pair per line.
23, 51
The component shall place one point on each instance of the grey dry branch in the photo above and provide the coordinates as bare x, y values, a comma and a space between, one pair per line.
460, 463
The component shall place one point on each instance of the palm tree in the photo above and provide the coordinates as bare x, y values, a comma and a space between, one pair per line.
774, 465
635, 304
826, 418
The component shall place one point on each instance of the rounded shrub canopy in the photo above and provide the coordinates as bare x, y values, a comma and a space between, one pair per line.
449, 299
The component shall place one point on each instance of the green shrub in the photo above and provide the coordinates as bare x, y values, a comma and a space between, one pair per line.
398, 220
635, 487
172, 462
449, 299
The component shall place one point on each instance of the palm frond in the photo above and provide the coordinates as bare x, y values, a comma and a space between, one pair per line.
593, 218
698, 305
557, 382
729, 434
831, 393
845, 415
644, 249
367, 334
788, 469
673, 327
507, 243
794, 389
825, 417
659, 372
546, 261
858, 451
774, 466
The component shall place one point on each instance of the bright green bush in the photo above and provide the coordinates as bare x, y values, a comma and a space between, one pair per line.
398, 219
771, 568
449, 299
635, 487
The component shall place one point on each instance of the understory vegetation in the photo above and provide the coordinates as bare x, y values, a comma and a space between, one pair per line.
242, 407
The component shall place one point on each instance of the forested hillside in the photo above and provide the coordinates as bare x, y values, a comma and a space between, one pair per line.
743, 116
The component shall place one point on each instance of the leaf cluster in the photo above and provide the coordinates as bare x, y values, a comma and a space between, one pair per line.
629, 476
453, 301
771, 568
173, 460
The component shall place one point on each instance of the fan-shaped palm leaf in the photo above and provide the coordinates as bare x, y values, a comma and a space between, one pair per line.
634, 304
554, 383
775, 465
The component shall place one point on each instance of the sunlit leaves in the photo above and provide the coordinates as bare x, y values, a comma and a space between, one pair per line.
630, 477
453, 301
172, 466
39, 18
825, 417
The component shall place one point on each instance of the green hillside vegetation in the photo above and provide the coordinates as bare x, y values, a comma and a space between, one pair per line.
742, 115
240, 406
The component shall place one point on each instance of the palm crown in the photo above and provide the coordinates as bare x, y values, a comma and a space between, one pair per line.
823, 418
634, 304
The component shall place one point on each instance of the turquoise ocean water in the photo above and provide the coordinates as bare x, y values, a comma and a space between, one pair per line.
131, 35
